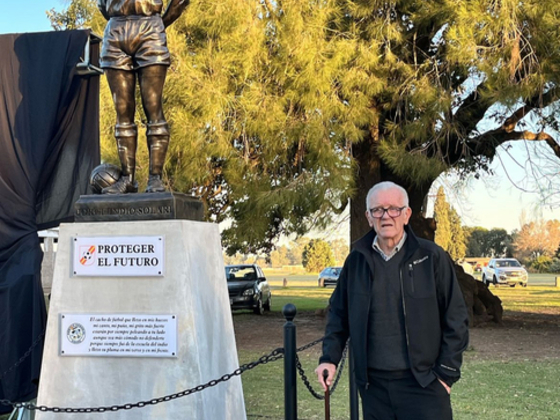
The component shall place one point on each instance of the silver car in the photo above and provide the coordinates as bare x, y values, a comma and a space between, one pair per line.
506, 271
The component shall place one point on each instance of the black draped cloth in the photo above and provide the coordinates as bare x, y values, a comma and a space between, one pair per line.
49, 143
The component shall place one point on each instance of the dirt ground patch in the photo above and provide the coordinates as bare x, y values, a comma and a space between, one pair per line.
523, 336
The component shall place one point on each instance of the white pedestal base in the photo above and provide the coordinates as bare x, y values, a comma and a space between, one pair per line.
193, 287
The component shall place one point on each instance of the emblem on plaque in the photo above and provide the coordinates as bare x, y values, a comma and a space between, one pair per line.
86, 255
76, 333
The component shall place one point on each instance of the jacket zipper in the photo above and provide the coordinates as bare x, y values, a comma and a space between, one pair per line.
411, 277
367, 318
404, 313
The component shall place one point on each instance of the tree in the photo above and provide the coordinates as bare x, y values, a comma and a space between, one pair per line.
449, 233
340, 250
475, 241
281, 111
542, 263
317, 255
441, 215
78, 14
295, 250
488, 243
457, 247
279, 257
536, 239
499, 243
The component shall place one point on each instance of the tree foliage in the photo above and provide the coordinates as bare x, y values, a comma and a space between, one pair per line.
449, 232
340, 250
317, 255
536, 239
78, 14
441, 216
457, 247
482, 242
279, 256
281, 110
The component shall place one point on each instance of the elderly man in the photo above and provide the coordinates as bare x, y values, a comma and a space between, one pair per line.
397, 298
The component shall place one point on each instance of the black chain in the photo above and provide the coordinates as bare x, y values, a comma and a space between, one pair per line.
308, 346
271, 357
25, 355
305, 380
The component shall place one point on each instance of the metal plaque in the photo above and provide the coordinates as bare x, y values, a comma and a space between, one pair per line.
120, 335
118, 256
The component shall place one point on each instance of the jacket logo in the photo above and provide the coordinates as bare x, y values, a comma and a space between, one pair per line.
420, 260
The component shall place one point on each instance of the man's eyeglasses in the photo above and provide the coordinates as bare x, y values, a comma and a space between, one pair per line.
378, 212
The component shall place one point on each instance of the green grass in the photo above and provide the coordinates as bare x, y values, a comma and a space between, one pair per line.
301, 290
508, 390
489, 389
529, 299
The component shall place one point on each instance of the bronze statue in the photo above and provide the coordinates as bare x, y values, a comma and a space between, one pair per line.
135, 46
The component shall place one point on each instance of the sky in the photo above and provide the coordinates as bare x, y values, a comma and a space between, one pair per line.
491, 202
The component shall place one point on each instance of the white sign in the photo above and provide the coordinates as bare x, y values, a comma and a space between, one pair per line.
121, 335
136, 256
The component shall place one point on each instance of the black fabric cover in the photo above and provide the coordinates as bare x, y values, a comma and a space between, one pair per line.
49, 143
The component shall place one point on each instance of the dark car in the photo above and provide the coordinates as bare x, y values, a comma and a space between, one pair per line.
329, 276
248, 288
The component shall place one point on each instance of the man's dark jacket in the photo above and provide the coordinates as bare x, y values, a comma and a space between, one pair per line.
435, 314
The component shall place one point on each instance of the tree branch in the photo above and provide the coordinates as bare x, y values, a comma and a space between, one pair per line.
538, 101
505, 136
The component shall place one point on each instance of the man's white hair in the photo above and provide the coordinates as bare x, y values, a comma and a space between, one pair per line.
384, 186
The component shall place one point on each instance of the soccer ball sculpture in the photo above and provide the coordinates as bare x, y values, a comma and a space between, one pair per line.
103, 176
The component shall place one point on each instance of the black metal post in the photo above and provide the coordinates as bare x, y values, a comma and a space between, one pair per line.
354, 399
290, 391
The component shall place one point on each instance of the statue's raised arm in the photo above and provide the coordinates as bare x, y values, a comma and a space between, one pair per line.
101, 5
135, 47
174, 9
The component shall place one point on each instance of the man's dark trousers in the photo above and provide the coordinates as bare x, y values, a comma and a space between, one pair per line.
405, 399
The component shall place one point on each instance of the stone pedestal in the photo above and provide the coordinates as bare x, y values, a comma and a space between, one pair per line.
192, 287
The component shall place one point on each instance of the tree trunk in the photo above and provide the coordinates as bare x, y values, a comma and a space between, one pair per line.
370, 170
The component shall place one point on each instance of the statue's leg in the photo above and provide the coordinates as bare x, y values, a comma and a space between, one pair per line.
151, 79
122, 85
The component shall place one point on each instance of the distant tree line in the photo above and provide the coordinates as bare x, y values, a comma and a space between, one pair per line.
536, 244
313, 254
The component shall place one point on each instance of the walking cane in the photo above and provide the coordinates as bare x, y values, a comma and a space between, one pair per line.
327, 397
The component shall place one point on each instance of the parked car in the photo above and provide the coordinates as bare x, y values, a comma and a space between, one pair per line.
329, 276
504, 271
248, 288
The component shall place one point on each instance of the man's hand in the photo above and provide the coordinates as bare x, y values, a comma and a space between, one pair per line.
331, 369
447, 387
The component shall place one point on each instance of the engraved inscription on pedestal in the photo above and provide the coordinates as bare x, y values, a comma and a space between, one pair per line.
130, 207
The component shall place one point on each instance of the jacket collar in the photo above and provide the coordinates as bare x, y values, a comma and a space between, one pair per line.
363, 244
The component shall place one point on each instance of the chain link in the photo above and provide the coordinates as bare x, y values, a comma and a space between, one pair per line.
25, 355
271, 357
306, 382
308, 346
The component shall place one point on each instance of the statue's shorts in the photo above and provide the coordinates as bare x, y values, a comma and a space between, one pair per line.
131, 42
